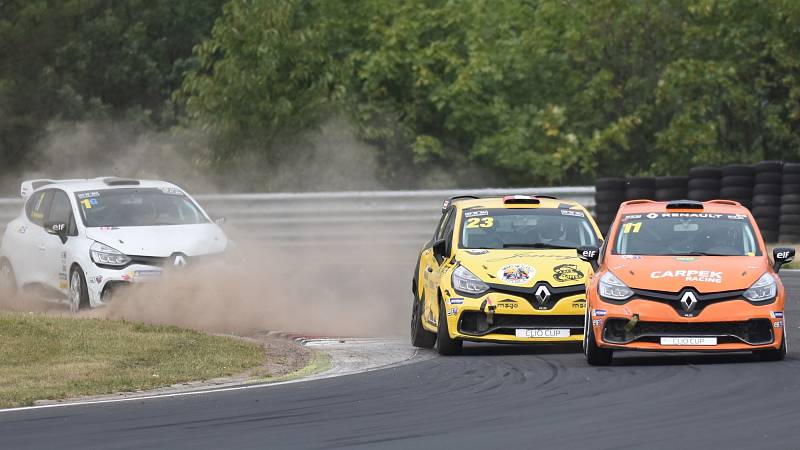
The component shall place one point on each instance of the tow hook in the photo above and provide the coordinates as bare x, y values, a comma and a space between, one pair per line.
488, 308
630, 326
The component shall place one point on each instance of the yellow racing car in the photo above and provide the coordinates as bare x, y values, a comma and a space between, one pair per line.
503, 270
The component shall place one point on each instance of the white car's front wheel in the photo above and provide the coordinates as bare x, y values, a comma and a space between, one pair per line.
78, 291
8, 282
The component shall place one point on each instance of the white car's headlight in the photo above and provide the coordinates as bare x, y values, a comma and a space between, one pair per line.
107, 256
613, 288
467, 282
763, 289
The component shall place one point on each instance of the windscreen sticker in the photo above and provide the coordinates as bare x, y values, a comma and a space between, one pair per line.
632, 227
88, 203
567, 272
516, 273
171, 191
568, 212
704, 276
684, 215
480, 222
482, 212
83, 195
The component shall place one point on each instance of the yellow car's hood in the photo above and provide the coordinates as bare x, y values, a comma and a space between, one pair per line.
524, 268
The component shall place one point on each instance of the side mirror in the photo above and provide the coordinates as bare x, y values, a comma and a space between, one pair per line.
57, 229
219, 221
590, 254
440, 249
782, 255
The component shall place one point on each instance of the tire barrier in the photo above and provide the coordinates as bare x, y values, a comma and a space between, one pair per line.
770, 189
609, 193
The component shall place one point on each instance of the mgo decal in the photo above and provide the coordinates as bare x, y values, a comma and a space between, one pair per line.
507, 304
702, 276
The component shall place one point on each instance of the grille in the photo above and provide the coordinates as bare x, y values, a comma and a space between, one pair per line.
755, 331
475, 323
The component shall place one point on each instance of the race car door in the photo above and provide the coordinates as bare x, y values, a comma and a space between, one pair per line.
55, 251
434, 268
30, 256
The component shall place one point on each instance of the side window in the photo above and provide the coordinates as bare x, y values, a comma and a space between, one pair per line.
448, 227
37, 206
440, 233
61, 211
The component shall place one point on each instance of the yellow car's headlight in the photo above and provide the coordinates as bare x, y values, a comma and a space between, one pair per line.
466, 282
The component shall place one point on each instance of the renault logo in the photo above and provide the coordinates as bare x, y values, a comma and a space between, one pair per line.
542, 294
179, 261
688, 301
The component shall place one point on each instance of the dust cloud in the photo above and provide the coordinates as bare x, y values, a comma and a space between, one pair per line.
333, 291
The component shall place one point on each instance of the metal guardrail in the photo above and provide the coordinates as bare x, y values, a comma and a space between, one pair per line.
340, 218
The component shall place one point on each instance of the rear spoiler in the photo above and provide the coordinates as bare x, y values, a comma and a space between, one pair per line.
28, 186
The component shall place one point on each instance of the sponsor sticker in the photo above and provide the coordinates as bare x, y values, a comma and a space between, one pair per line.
599, 312
778, 324
516, 273
479, 213
631, 257
22, 229
456, 301
477, 252
171, 191
569, 212
452, 311
702, 276
507, 304
542, 333
567, 272
597, 322
92, 194
685, 258
776, 314
577, 304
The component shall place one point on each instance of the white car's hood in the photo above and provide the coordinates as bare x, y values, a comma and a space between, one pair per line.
162, 241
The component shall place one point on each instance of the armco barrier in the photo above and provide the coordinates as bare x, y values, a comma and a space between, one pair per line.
340, 218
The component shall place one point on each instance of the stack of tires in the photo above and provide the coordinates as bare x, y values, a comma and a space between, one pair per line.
790, 204
767, 198
704, 183
640, 188
737, 183
671, 188
609, 193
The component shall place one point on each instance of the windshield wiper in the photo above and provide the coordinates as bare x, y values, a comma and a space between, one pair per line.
538, 245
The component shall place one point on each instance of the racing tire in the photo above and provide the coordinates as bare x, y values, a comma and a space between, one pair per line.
609, 196
790, 189
78, 290
606, 208
792, 178
767, 223
789, 219
738, 170
791, 167
641, 183
446, 345
768, 178
790, 229
670, 194
595, 355
766, 200
790, 208
769, 166
767, 189
737, 181
635, 193
769, 236
420, 337
787, 238
736, 192
610, 184
790, 199
8, 280
703, 195
704, 184
766, 211
672, 182
777, 354
705, 172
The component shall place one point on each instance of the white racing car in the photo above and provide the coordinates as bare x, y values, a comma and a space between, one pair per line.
82, 239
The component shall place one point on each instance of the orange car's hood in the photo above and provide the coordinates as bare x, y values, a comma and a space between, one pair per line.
673, 273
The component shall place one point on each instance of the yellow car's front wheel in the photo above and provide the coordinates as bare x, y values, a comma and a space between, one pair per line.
420, 337
445, 344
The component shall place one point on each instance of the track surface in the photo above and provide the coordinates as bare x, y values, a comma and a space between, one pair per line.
492, 397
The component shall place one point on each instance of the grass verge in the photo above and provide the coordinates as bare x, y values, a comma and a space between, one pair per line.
51, 357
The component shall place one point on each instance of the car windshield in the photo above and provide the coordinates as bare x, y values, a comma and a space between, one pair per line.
525, 228
686, 234
138, 207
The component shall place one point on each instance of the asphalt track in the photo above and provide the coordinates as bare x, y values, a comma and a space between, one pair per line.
492, 397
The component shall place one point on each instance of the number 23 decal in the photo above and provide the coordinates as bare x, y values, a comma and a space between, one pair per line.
482, 222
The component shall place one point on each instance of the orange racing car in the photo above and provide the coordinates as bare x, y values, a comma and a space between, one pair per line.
684, 276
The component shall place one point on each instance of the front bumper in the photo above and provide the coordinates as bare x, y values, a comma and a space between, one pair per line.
736, 325
496, 318
103, 282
